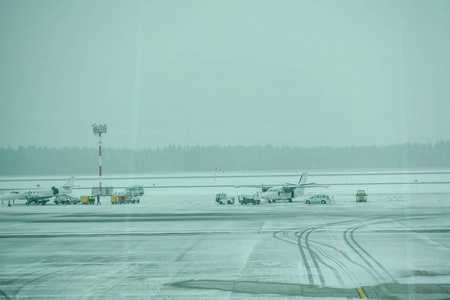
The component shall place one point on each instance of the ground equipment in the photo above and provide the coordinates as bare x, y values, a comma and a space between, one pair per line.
249, 199
87, 199
66, 199
123, 199
223, 199
361, 196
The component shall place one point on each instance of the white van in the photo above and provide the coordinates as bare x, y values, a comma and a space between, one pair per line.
320, 198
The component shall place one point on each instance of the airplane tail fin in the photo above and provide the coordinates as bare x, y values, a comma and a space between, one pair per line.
69, 185
70, 182
302, 179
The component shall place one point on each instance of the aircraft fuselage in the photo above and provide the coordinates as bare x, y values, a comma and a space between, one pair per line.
277, 194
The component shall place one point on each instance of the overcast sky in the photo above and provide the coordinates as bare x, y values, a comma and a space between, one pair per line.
299, 73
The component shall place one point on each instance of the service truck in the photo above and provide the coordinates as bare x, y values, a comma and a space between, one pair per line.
249, 199
135, 190
67, 199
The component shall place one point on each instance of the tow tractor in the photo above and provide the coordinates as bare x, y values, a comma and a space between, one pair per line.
223, 199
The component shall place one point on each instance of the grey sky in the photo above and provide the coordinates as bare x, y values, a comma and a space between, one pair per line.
299, 73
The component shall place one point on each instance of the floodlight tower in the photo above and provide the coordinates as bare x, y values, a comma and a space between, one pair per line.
98, 130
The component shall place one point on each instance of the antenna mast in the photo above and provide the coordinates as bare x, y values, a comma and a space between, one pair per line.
98, 130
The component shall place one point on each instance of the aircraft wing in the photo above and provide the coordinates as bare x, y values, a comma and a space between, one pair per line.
262, 187
305, 185
291, 187
37, 197
254, 186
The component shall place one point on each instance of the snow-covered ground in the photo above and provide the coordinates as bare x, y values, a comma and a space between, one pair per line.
179, 244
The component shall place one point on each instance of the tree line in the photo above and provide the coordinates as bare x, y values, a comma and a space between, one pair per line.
32, 160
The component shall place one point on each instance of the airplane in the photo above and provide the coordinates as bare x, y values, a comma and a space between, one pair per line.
288, 191
39, 196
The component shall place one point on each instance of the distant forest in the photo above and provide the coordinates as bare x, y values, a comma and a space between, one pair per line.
33, 160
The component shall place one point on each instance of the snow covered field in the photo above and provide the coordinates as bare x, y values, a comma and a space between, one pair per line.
179, 244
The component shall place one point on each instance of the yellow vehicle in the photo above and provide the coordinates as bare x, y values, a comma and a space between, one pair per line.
119, 199
123, 199
361, 196
87, 199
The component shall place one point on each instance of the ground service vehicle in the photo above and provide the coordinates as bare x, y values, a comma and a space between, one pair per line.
87, 199
67, 199
361, 196
119, 199
122, 199
320, 198
223, 199
135, 190
252, 199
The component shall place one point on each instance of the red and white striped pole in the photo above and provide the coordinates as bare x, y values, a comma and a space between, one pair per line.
98, 130
100, 163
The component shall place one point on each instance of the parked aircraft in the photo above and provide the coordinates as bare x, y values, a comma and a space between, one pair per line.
287, 191
39, 196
